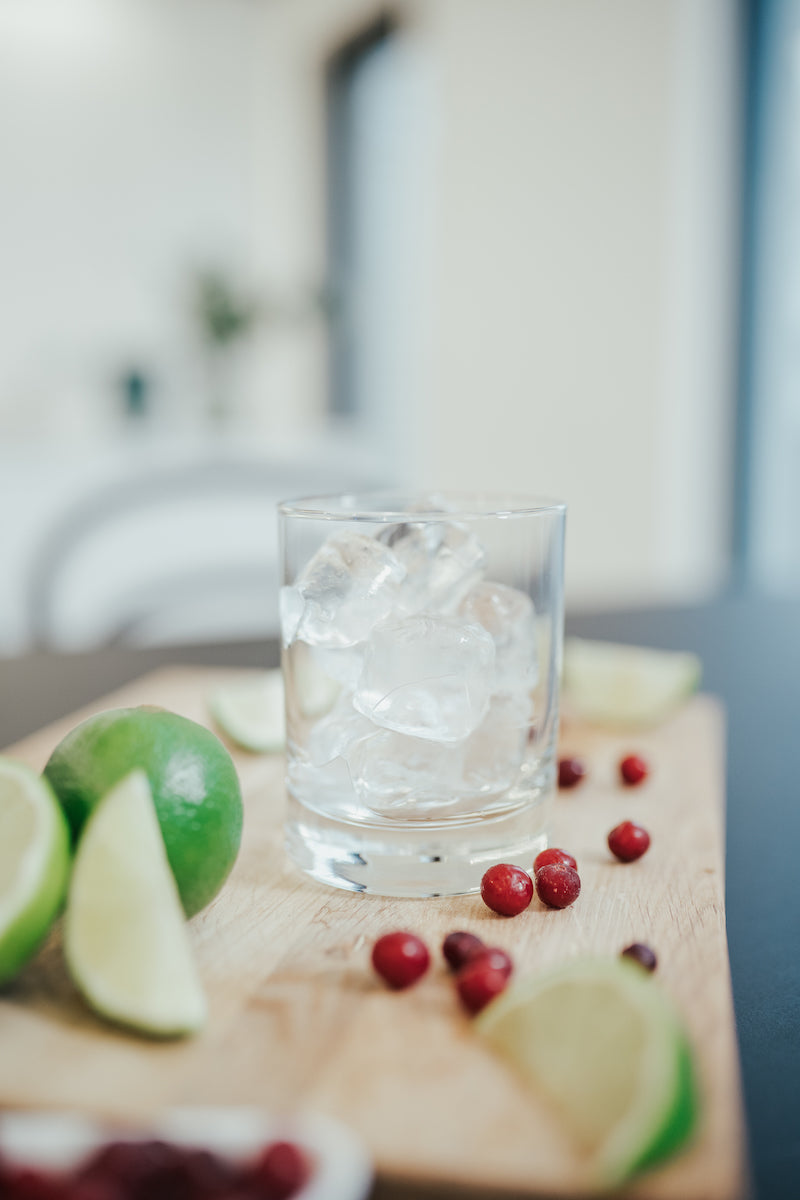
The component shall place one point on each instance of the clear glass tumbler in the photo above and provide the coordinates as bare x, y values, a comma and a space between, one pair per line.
421, 655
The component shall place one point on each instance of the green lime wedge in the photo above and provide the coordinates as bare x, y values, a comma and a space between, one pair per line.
125, 937
627, 686
604, 1048
251, 712
34, 863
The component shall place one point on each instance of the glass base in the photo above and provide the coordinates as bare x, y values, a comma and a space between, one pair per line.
438, 858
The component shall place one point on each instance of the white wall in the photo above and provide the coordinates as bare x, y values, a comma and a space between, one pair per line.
569, 253
575, 268
583, 311
126, 144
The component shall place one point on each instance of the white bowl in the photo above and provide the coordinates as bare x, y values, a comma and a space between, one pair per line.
59, 1141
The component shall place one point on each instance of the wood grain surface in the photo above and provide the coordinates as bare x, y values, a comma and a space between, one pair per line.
297, 1018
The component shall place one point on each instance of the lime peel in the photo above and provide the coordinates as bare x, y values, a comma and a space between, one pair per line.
604, 1047
34, 864
125, 938
193, 780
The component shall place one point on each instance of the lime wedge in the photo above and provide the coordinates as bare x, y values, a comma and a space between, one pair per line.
34, 863
604, 1048
627, 686
251, 712
125, 937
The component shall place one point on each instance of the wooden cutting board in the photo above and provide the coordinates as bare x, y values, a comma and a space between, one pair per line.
298, 1018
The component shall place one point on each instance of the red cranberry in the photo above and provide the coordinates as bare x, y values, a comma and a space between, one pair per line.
478, 983
25, 1183
641, 954
280, 1172
459, 947
97, 1189
552, 855
507, 889
633, 770
570, 772
145, 1170
494, 957
400, 958
558, 885
628, 841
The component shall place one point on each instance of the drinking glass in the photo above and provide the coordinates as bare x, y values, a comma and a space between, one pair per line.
421, 651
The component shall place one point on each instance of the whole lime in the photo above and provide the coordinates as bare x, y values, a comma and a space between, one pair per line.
193, 780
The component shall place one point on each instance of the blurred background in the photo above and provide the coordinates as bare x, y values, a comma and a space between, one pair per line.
252, 249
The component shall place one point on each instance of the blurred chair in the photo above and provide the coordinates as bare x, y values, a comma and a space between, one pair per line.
186, 554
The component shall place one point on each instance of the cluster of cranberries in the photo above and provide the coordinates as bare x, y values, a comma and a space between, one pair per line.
156, 1170
626, 841
508, 890
481, 971
633, 770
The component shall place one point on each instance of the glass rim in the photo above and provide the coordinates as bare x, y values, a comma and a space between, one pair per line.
367, 506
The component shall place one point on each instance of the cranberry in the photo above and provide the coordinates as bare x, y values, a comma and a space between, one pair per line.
552, 855
641, 954
400, 958
507, 889
494, 957
558, 885
570, 772
633, 770
93, 1189
25, 1183
145, 1170
459, 947
280, 1172
628, 841
478, 983
207, 1174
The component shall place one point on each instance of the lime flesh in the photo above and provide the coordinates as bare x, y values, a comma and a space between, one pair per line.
251, 712
627, 686
125, 937
604, 1048
34, 864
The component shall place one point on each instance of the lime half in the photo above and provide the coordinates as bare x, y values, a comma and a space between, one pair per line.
605, 1049
627, 686
34, 863
251, 712
125, 939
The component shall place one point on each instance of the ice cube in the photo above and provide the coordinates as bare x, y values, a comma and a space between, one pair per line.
314, 688
427, 676
342, 665
508, 617
349, 585
334, 735
391, 771
327, 787
443, 561
494, 753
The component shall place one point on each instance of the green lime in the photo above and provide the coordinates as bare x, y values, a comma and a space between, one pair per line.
605, 1049
125, 937
192, 777
34, 863
627, 686
251, 712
